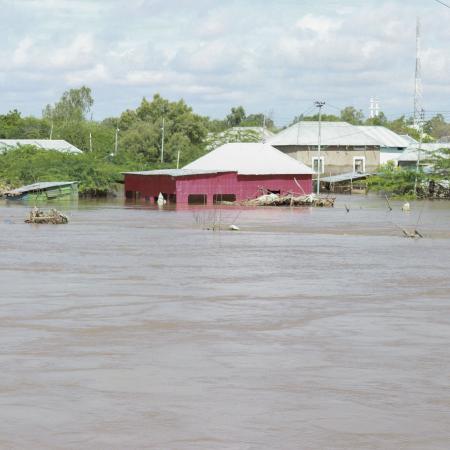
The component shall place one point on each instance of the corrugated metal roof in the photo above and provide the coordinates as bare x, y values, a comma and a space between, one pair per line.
332, 133
409, 138
385, 137
250, 158
40, 186
175, 172
344, 177
46, 144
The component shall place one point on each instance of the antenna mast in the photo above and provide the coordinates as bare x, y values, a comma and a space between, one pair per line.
417, 81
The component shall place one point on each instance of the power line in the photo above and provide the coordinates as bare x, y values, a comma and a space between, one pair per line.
442, 3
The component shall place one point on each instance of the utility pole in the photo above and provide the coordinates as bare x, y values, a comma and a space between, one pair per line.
162, 142
117, 141
263, 139
319, 162
178, 158
417, 81
51, 131
90, 141
422, 119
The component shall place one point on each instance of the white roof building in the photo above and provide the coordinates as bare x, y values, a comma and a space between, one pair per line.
46, 144
249, 158
305, 133
385, 137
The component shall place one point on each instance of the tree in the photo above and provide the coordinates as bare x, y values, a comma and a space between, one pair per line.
396, 181
352, 115
380, 120
437, 127
315, 118
141, 130
258, 120
72, 107
236, 116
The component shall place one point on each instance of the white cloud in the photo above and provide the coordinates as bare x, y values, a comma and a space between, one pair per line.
22, 52
98, 73
79, 53
319, 25
216, 55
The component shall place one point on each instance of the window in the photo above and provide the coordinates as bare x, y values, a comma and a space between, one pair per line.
219, 198
359, 164
315, 164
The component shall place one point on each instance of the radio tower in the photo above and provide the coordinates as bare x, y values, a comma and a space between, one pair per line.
417, 81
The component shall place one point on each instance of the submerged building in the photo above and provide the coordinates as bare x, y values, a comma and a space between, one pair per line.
235, 171
59, 145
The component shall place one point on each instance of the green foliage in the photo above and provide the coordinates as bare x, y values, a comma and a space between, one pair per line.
352, 115
141, 132
441, 163
72, 107
315, 118
28, 164
437, 127
236, 116
396, 181
14, 126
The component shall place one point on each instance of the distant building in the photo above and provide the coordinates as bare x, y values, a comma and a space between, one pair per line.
391, 144
235, 171
411, 155
46, 144
344, 147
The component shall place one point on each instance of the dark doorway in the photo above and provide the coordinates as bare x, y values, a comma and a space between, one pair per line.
197, 199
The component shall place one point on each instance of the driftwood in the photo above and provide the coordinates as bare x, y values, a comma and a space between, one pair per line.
52, 216
412, 234
289, 200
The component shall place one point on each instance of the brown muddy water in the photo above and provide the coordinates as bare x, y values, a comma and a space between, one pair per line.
132, 328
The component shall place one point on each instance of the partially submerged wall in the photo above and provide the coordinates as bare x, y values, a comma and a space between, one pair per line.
213, 187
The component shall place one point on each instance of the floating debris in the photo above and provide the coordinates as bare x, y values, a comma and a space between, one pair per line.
52, 216
412, 234
289, 200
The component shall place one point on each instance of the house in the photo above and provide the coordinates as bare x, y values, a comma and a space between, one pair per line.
344, 147
235, 171
46, 144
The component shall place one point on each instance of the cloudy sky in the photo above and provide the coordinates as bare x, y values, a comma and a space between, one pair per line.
273, 56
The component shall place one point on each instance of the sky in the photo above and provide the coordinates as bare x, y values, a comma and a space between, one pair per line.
271, 56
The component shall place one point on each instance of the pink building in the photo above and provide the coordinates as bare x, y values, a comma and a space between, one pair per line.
231, 172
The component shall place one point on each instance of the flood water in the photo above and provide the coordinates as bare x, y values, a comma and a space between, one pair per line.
134, 328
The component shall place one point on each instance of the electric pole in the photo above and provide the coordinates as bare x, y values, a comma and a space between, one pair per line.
162, 141
417, 81
319, 138
422, 119
263, 138
116, 141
